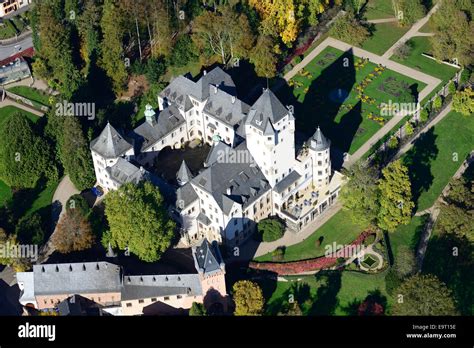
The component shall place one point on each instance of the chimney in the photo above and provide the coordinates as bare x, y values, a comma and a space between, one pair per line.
215, 89
233, 99
204, 72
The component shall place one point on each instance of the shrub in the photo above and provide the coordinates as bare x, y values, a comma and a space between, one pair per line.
278, 254
270, 229
183, 51
424, 115
369, 240
403, 51
392, 281
393, 142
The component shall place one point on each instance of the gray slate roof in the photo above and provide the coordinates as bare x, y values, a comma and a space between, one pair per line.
239, 173
147, 286
266, 108
168, 120
207, 257
124, 172
185, 195
318, 141
183, 175
76, 278
110, 144
287, 181
221, 106
215, 77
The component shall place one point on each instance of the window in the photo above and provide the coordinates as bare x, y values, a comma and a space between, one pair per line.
179, 296
141, 301
129, 304
235, 222
166, 298
320, 172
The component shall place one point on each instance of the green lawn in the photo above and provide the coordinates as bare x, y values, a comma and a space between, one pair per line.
408, 235
5, 193
339, 229
31, 93
429, 66
7, 111
384, 36
377, 9
315, 92
331, 293
435, 158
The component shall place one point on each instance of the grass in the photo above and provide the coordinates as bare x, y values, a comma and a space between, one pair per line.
378, 9
5, 193
331, 293
407, 235
435, 157
346, 124
384, 36
43, 199
9, 110
339, 229
428, 66
31, 93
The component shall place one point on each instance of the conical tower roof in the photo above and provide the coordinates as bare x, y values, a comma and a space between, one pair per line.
183, 175
110, 144
319, 142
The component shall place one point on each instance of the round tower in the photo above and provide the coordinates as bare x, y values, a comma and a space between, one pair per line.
319, 146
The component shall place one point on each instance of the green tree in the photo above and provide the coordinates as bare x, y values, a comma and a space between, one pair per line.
453, 32
88, 24
113, 55
270, 229
393, 142
183, 52
29, 229
463, 101
75, 155
18, 264
395, 197
248, 298
197, 310
263, 57
409, 128
138, 221
424, 295
78, 202
348, 29
405, 261
360, 195
409, 11
25, 158
423, 115
437, 102
456, 220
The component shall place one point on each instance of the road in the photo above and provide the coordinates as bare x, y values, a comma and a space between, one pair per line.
9, 50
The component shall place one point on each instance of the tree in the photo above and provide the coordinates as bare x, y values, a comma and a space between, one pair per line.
424, 115
393, 142
73, 233
155, 68
113, 56
78, 202
405, 261
463, 101
294, 310
88, 24
225, 33
270, 229
348, 29
395, 197
263, 57
403, 50
248, 298
409, 128
10, 242
55, 57
453, 32
424, 295
408, 11
75, 154
456, 220
161, 41
197, 310
183, 52
138, 221
29, 229
25, 158
371, 306
360, 195
437, 102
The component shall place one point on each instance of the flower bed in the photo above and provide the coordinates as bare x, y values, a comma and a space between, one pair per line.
296, 267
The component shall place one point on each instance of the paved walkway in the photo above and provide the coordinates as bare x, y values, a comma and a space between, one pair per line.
382, 20
9, 102
413, 31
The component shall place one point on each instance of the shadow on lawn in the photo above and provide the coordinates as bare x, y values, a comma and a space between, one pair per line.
454, 270
326, 299
322, 103
418, 160
374, 304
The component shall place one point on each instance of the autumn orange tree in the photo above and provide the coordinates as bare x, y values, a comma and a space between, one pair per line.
73, 232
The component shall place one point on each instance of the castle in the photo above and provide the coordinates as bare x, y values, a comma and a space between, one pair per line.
106, 287
251, 172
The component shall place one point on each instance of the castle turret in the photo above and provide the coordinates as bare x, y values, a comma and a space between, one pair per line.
183, 175
319, 147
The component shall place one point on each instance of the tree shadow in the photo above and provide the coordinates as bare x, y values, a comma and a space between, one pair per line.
418, 160
326, 295
372, 301
449, 257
